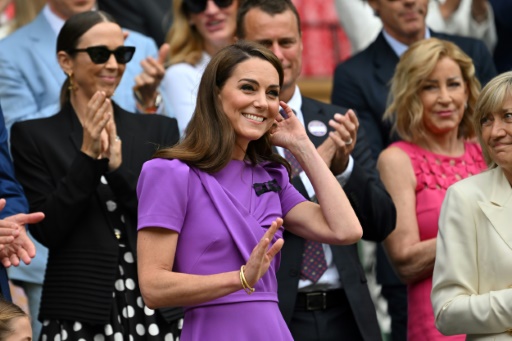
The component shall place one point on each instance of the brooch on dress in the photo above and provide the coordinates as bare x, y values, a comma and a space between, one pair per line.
264, 187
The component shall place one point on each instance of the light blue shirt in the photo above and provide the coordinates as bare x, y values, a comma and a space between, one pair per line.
397, 46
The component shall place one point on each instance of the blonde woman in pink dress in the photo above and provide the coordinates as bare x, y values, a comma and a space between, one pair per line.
433, 91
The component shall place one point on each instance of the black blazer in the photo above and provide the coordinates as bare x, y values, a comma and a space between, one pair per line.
375, 211
62, 182
362, 83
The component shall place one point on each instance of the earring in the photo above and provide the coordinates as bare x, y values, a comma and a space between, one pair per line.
466, 106
71, 86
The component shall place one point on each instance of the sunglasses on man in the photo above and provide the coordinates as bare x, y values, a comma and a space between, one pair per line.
101, 54
198, 6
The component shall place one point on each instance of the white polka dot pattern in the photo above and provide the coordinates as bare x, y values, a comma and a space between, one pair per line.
148, 311
128, 257
128, 312
119, 285
153, 329
111, 206
141, 330
130, 284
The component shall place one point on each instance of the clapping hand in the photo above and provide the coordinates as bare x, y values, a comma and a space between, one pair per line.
15, 245
100, 139
344, 137
148, 81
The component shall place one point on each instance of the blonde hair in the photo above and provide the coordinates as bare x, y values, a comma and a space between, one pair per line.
25, 12
491, 100
186, 44
416, 64
8, 312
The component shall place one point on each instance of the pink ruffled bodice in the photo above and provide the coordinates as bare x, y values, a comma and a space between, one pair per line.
434, 174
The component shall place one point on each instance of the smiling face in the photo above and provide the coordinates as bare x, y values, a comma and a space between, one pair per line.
89, 77
497, 136
444, 96
280, 34
404, 20
22, 330
216, 25
250, 100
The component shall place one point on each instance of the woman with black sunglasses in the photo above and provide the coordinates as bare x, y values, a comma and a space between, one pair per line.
200, 28
80, 167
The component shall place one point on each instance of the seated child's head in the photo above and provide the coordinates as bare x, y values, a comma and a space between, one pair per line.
14, 323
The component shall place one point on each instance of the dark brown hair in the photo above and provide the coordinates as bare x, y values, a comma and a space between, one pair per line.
209, 139
69, 37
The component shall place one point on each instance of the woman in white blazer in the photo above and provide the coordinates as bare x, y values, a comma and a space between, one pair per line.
472, 283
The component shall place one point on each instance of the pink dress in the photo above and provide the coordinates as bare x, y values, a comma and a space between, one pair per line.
434, 174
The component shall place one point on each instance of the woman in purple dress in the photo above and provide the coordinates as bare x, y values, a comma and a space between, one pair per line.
212, 209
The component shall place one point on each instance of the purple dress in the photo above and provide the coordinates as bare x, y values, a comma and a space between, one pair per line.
220, 219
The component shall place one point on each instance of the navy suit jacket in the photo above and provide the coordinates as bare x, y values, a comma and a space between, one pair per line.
11, 191
375, 211
502, 10
149, 17
362, 83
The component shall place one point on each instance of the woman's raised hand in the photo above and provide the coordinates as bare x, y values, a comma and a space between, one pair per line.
97, 115
263, 253
288, 132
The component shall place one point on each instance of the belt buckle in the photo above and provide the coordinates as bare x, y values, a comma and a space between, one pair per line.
316, 301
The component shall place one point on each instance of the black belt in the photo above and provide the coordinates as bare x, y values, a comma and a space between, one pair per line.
320, 300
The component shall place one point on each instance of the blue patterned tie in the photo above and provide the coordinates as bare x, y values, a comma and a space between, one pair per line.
313, 263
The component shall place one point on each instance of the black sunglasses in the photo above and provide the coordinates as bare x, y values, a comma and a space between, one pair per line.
100, 54
198, 6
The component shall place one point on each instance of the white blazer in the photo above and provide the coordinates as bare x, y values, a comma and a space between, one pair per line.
472, 283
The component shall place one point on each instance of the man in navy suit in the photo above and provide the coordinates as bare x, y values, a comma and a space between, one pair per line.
337, 306
362, 83
15, 245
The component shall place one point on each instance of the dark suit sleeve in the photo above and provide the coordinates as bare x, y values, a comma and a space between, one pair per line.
346, 92
484, 65
146, 17
366, 193
10, 189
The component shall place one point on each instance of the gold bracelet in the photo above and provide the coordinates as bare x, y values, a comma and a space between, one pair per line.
245, 285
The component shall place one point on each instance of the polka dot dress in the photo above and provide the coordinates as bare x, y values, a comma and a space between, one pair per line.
130, 318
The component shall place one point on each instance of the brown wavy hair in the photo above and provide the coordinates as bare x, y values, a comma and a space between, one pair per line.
209, 139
